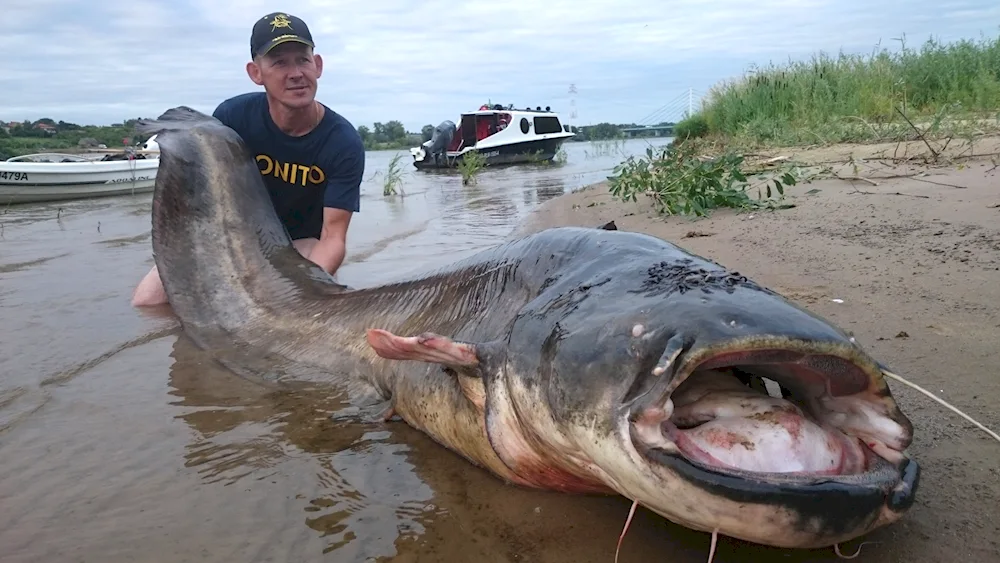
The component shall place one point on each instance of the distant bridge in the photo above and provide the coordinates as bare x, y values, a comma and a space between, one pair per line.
661, 122
660, 130
665, 130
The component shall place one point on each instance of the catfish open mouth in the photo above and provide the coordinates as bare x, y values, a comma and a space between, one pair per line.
780, 417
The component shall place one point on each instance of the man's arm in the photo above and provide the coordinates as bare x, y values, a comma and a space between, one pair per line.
341, 200
329, 252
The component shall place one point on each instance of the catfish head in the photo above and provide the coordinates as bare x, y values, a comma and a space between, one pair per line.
704, 397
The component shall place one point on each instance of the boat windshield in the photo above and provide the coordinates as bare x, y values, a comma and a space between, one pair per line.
48, 157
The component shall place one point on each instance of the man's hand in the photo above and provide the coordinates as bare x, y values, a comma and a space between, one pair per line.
329, 252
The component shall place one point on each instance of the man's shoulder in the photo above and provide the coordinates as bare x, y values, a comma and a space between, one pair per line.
241, 101
342, 132
234, 111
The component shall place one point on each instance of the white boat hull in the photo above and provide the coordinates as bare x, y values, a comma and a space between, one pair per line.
32, 182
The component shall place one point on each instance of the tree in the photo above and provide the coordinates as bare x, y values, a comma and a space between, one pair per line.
604, 131
378, 130
365, 133
394, 131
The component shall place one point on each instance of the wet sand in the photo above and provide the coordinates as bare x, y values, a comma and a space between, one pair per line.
119, 441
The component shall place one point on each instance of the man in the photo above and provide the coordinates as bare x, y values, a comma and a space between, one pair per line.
311, 158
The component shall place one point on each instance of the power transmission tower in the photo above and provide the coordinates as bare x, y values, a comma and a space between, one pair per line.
572, 104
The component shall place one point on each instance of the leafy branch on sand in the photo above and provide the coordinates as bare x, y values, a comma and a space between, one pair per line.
681, 182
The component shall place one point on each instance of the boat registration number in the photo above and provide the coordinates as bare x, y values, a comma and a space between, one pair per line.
128, 179
16, 176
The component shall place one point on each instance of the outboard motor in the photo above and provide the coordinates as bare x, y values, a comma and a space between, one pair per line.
151, 145
440, 140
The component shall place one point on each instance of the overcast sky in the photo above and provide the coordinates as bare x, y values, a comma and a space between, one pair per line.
423, 61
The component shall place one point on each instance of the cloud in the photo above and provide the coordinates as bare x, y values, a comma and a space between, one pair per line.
426, 61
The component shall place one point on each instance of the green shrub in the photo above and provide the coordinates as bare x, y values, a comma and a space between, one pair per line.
691, 127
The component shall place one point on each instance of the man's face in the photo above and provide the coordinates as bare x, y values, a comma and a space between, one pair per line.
288, 73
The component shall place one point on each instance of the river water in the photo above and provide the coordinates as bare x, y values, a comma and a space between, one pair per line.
119, 442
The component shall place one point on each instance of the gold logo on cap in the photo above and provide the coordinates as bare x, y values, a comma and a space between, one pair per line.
281, 20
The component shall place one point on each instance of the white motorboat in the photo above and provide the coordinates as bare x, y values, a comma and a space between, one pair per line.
43, 177
502, 135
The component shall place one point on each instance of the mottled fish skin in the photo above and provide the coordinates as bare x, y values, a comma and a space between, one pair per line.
535, 359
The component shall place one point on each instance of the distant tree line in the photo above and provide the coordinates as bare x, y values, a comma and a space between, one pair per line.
389, 135
46, 134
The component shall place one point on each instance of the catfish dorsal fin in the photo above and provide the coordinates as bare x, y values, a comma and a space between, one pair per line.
174, 119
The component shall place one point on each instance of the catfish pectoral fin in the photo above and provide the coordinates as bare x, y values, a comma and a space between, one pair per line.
457, 357
427, 347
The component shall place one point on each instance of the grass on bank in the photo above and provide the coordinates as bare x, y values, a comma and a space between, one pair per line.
940, 91
944, 87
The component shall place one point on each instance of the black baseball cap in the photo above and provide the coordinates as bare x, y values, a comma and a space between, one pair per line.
277, 28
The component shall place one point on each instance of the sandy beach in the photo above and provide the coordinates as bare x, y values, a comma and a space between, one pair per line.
911, 267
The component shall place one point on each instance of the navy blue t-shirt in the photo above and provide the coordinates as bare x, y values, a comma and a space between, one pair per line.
322, 168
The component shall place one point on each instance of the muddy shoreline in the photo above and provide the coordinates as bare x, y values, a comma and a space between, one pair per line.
904, 255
